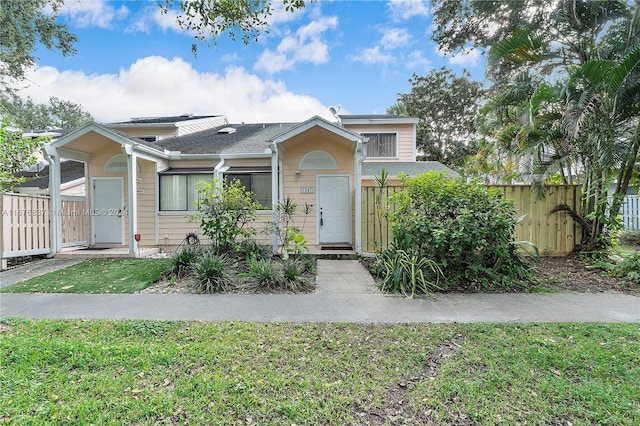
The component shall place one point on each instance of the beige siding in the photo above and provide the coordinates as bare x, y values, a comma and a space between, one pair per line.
293, 153
175, 227
147, 201
406, 139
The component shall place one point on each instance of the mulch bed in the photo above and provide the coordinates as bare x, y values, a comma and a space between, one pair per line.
572, 274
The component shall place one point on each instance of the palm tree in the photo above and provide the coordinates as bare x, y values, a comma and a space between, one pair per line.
585, 114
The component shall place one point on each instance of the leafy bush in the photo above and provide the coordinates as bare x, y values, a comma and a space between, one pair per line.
630, 237
463, 227
407, 273
627, 269
249, 248
211, 273
226, 211
183, 259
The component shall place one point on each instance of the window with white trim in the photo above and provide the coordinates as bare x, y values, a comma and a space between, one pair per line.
178, 192
382, 145
257, 182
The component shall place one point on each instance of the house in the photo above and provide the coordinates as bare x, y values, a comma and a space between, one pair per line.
140, 176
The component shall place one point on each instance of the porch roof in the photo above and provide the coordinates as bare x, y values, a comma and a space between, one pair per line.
410, 169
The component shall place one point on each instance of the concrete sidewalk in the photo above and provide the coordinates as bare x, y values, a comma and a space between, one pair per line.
345, 294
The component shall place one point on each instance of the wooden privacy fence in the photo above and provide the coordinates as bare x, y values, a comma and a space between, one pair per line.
555, 234
26, 220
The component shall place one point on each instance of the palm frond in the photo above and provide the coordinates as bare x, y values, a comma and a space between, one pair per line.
522, 47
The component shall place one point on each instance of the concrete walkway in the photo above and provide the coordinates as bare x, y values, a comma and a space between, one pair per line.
345, 294
34, 269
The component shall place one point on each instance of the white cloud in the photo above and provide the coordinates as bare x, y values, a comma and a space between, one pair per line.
467, 59
417, 61
373, 55
402, 10
305, 45
394, 38
156, 86
93, 13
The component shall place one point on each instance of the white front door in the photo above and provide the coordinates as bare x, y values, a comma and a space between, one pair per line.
334, 209
108, 209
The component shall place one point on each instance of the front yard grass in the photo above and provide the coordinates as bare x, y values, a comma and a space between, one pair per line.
125, 275
144, 372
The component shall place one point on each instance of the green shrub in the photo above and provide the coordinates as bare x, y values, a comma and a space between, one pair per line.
628, 269
249, 248
183, 259
211, 273
630, 237
463, 227
227, 210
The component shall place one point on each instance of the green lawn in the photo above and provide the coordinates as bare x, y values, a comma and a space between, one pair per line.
126, 275
143, 372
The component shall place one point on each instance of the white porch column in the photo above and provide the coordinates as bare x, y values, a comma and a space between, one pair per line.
132, 176
55, 199
361, 154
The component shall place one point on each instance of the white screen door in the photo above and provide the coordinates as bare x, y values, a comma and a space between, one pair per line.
107, 211
334, 209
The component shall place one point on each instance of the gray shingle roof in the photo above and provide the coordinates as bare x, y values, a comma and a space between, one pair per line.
410, 169
69, 170
164, 120
247, 139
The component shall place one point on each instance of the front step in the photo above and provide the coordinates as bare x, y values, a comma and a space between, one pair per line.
335, 254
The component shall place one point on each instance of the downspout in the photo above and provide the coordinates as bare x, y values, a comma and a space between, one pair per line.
219, 169
361, 154
51, 155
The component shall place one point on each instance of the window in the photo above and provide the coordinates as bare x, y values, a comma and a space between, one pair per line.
382, 145
178, 193
257, 182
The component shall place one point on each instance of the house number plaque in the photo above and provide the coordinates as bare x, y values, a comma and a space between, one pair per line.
306, 189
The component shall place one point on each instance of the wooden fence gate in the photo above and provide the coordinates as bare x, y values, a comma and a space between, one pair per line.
26, 220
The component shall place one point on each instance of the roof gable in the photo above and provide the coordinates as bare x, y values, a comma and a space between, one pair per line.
318, 122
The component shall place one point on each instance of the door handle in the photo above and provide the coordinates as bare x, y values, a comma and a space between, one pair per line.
321, 219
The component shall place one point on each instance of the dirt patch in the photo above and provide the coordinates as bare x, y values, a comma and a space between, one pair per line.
572, 274
398, 410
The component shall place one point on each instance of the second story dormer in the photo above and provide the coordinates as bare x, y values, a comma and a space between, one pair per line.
392, 138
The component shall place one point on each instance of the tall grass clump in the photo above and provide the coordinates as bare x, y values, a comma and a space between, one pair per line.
183, 260
211, 273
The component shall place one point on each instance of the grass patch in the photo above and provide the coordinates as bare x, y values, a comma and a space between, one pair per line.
144, 372
124, 275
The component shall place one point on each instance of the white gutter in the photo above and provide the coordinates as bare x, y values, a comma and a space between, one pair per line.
177, 155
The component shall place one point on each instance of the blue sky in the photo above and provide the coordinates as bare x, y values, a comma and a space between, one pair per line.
133, 61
